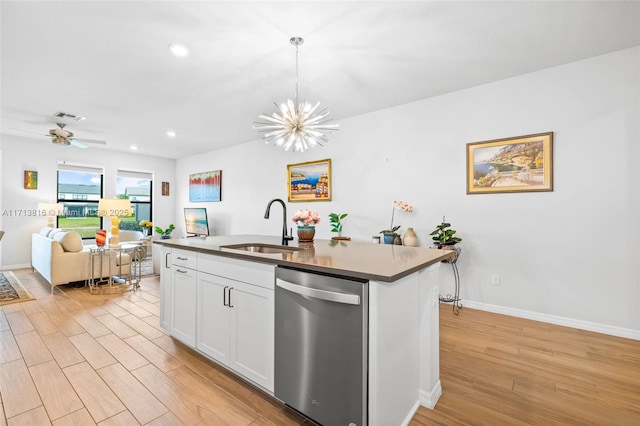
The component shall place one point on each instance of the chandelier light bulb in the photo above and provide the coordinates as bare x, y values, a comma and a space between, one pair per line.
297, 126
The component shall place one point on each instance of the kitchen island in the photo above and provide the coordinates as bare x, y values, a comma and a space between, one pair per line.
218, 298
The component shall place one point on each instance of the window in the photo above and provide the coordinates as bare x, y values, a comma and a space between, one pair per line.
137, 187
79, 190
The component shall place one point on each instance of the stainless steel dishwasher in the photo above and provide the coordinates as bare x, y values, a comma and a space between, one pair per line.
321, 346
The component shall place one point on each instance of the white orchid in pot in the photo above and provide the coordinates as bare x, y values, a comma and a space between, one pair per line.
389, 235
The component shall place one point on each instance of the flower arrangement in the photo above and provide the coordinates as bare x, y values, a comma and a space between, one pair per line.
306, 217
397, 204
146, 224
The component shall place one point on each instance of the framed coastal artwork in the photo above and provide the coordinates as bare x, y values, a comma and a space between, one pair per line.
517, 164
30, 179
205, 186
310, 181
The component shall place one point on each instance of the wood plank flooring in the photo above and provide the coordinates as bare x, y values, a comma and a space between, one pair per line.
73, 358
501, 370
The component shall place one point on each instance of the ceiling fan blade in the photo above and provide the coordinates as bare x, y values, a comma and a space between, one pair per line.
88, 141
77, 144
28, 131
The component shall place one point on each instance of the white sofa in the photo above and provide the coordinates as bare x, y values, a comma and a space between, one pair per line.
61, 258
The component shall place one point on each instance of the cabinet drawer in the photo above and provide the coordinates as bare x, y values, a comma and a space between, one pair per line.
260, 274
184, 258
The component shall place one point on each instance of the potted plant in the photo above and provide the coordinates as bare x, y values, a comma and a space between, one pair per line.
306, 221
165, 233
443, 236
389, 235
335, 219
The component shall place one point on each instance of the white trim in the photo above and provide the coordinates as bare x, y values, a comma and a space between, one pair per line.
412, 412
430, 399
553, 319
14, 267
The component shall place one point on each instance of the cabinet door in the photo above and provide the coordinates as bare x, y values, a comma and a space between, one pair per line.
183, 306
213, 317
252, 330
164, 263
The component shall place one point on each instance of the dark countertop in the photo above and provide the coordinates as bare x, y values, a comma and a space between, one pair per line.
379, 262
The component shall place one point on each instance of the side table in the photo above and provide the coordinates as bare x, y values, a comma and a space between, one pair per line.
118, 277
455, 298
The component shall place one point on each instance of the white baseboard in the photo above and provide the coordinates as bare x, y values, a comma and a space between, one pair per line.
13, 267
412, 413
553, 319
430, 399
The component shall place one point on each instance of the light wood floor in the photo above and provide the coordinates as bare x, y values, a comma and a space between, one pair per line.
502, 370
78, 359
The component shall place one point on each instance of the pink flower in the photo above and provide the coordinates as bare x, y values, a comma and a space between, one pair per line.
306, 217
402, 205
398, 204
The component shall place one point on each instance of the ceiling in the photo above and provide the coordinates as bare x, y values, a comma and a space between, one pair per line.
108, 60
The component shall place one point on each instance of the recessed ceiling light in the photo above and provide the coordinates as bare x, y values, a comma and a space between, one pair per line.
133, 148
178, 50
171, 133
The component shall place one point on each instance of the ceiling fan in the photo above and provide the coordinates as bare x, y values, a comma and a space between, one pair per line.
60, 136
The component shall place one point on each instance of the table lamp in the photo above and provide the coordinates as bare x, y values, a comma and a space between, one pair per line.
51, 210
115, 208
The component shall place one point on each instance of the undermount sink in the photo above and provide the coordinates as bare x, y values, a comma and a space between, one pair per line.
262, 248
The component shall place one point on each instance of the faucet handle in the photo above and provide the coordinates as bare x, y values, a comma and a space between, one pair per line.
290, 236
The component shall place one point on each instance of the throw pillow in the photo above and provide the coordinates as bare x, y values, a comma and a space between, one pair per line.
70, 241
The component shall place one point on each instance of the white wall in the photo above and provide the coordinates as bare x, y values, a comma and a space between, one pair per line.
21, 154
567, 256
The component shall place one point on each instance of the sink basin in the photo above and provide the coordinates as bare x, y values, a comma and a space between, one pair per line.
262, 248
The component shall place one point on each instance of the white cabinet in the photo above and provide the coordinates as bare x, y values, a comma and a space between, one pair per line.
236, 316
252, 333
164, 265
183, 296
213, 317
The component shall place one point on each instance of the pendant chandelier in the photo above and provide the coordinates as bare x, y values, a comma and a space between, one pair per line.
295, 125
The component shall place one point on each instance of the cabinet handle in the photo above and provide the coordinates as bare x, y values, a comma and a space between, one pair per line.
224, 295
181, 271
166, 260
182, 258
230, 305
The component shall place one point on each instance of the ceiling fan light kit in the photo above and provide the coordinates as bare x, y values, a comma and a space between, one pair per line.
296, 125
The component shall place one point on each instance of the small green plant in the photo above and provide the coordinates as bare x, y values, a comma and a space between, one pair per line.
335, 219
165, 232
442, 236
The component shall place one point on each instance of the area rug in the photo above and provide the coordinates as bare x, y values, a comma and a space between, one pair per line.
12, 290
146, 266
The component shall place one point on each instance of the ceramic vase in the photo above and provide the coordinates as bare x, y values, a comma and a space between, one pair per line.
410, 238
101, 237
306, 233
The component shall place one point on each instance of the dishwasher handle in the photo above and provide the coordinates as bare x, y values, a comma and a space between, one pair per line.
316, 293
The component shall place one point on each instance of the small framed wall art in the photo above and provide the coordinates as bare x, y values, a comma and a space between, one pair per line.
30, 179
205, 186
165, 188
309, 181
517, 164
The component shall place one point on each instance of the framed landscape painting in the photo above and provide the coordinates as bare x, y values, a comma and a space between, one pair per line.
518, 164
205, 186
309, 181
